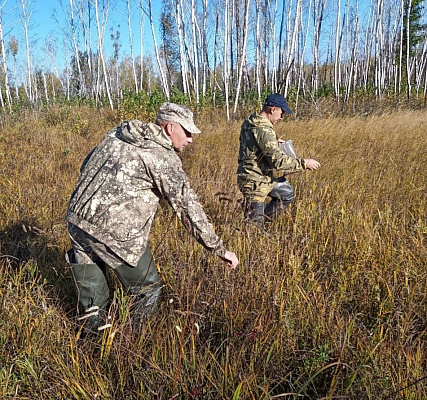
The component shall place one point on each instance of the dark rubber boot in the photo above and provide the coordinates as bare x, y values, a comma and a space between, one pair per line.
93, 294
144, 282
275, 207
255, 214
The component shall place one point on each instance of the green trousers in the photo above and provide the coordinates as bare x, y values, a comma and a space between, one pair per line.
142, 281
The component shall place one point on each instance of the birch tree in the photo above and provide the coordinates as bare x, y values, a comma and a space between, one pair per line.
274, 50
51, 51
76, 49
129, 24
4, 63
100, 29
291, 55
179, 25
337, 63
225, 61
163, 78
318, 12
258, 50
242, 59
204, 41
195, 51
141, 43
14, 47
84, 10
214, 82
408, 49
25, 17
301, 77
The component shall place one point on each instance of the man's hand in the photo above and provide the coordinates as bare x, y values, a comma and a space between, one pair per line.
311, 164
231, 259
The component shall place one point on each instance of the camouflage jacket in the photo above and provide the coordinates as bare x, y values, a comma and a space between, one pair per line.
121, 183
260, 158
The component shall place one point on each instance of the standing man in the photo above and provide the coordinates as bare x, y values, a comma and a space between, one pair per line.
262, 164
113, 205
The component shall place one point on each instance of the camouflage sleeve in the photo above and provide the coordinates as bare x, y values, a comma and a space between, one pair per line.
173, 184
86, 160
269, 146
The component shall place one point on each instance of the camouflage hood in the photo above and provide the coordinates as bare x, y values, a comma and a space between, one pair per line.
145, 136
258, 121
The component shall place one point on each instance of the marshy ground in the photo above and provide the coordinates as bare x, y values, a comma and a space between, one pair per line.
330, 302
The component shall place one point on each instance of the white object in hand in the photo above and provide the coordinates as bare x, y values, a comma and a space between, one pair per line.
288, 148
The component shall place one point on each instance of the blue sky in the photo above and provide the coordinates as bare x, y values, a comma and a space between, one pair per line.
44, 26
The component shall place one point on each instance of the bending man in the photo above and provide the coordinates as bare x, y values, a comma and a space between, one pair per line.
113, 205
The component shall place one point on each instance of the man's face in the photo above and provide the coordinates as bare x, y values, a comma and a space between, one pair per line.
179, 136
276, 114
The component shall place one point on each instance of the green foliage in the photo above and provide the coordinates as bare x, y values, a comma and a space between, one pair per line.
154, 101
205, 101
179, 97
140, 105
325, 91
292, 94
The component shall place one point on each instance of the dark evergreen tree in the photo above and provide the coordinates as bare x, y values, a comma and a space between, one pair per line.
416, 27
170, 45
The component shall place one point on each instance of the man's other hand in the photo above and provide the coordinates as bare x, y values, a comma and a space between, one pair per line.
231, 259
311, 164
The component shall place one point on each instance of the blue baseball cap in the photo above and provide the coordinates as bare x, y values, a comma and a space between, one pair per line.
277, 100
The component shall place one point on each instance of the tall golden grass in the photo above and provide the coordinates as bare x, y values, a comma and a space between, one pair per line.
330, 302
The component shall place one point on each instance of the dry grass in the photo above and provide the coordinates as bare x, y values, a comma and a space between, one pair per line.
330, 303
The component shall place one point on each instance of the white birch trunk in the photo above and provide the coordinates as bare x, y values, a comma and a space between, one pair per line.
408, 49
379, 36
179, 27
266, 43
83, 10
205, 64
243, 58
352, 74
141, 45
163, 79
301, 77
337, 63
100, 29
46, 94
4, 64
128, 14
75, 47
258, 51
188, 53
420, 70
318, 10
195, 51
367, 55
226, 59
288, 53
292, 49
214, 82
274, 49
25, 18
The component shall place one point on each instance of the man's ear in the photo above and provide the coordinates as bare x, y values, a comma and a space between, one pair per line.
168, 129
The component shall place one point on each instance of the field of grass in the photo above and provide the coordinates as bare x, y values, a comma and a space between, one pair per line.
330, 302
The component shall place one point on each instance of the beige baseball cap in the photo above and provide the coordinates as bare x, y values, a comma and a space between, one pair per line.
180, 114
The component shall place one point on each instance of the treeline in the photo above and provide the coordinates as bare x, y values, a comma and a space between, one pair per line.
218, 51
